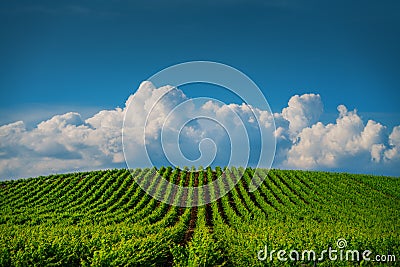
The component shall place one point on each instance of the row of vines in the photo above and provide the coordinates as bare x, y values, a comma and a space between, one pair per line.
105, 218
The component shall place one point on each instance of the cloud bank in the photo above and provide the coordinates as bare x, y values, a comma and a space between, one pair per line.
68, 143
162, 122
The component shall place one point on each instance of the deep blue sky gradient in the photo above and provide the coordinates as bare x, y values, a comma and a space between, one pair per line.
93, 54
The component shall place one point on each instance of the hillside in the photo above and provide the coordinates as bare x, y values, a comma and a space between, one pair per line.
104, 218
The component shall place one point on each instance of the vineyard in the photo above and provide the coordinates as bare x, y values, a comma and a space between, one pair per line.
104, 218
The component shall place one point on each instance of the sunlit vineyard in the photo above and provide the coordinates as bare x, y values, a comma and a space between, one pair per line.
104, 218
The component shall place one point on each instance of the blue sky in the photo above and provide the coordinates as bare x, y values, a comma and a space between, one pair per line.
93, 53
86, 56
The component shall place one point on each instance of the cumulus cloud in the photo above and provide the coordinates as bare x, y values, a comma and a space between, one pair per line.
393, 153
62, 143
170, 128
348, 144
302, 111
67, 142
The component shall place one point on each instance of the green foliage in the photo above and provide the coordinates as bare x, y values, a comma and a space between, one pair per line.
104, 218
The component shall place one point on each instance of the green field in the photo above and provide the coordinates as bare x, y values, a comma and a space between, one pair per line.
103, 218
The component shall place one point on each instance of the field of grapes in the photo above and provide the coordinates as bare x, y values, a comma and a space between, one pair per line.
103, 218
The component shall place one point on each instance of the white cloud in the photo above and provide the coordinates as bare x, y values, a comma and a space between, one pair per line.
170, 115
62, 143
393, 153
66, 142
348, 145
302, 111
377, 151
